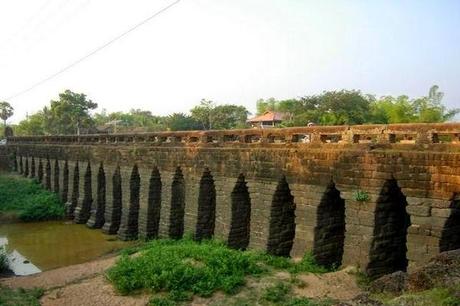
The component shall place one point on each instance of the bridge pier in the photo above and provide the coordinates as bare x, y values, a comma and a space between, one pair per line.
131, 202
96, 219
223, 220
261, 193
150, 202
113, 208
83, 210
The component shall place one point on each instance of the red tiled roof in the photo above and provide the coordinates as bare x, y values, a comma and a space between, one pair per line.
268, 116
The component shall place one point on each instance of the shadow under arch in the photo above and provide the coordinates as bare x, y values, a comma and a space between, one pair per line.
330, 228
282, 221
154, 204
206, 218
240, 224
450, 235
391, 220
176, 217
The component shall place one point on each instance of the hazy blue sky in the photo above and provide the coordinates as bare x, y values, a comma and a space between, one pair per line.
230, 51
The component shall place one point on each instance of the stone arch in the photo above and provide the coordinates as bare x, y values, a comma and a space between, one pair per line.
176, 217
206, 218
32, 167
96, 219
330, 228
65, 182
48, 174
26, 167
450, 236
391, 220
282, 221
240, 224
130, 217
154, 204
82, 212
56, 176
40, 171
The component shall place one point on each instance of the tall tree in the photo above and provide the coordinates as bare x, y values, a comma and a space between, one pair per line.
6, 111
226, 116
402, 109
69, 114
182, 122
264, 105
203, 113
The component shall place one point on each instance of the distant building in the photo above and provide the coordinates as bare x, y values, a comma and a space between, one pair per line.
268, 119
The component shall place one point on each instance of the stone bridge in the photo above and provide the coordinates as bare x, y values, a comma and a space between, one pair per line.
383, 197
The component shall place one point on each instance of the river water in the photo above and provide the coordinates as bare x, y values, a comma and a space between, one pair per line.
40, 246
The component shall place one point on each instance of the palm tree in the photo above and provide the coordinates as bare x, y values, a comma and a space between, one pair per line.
6, 111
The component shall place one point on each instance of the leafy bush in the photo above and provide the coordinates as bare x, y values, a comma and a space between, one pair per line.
28, 199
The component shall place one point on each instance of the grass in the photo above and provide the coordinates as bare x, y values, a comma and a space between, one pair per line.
28, 199
179, 269
277, 293
447, 296
436, 296
306, 265
281, 294
20, 297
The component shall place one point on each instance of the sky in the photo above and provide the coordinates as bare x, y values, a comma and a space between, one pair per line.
229, 51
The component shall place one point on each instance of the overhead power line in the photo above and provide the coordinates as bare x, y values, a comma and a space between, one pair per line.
105, 45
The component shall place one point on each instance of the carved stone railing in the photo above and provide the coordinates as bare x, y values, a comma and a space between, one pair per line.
422, 133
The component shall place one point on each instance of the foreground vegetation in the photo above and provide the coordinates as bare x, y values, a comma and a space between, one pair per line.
178, 270
20, 297
28, 200
436, 296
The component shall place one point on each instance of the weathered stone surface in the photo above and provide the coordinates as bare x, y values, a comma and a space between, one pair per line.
428, 175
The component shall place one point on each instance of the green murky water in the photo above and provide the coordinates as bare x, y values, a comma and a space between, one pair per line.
49, 245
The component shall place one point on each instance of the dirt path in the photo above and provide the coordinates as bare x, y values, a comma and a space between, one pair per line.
340, 285
85, 284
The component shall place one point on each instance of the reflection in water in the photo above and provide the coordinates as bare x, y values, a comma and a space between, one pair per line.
16, 262
54, 244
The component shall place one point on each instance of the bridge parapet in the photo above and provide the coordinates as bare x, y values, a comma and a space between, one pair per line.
375, 134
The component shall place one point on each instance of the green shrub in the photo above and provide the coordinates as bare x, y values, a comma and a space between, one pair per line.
361, 196
28, 199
